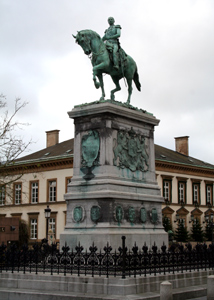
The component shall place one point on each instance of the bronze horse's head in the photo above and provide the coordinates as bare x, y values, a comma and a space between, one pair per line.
83, 40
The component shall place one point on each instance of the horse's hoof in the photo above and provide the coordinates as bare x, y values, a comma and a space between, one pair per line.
112, 97
102, 98
97, 85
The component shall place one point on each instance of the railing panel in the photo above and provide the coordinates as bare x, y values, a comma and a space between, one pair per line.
106, 262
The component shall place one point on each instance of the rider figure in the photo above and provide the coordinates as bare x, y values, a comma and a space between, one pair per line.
111, 37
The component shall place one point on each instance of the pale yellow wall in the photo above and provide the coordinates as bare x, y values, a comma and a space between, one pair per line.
174, 205
59, 206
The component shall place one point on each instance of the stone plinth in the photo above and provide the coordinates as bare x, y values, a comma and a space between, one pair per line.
166, 291
113, 191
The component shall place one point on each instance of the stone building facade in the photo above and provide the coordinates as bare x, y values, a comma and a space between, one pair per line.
186, 185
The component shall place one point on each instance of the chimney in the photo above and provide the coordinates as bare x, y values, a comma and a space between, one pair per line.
182, 145
52, 138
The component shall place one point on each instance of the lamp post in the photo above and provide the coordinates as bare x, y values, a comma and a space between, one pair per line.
47, 216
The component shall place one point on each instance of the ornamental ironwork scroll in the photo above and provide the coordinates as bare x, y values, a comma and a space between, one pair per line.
130, 151
142, 261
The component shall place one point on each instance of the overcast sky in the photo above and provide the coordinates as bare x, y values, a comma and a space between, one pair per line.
172, 42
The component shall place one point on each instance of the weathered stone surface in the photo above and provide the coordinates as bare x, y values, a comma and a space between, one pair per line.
18, 286
166, 290
116, 188
210, 287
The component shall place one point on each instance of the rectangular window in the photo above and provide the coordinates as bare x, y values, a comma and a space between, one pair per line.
34, 188
2, 195
167, 190
52, 191
17, 193
209, 194
196, 193
33, 228
181, 192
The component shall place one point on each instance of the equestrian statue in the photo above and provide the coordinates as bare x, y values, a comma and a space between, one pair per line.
109, 58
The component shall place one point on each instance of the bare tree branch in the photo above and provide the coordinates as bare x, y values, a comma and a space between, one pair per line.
11, 144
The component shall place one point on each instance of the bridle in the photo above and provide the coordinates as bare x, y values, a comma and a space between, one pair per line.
93, 55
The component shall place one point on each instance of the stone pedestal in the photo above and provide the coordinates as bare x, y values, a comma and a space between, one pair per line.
210, 287
113, 191
166, 291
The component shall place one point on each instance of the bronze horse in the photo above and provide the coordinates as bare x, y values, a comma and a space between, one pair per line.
91, 43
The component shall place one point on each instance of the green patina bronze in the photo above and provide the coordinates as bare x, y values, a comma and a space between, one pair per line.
78, 214
119, 213
90, 149
132, 215
143, 215
119, 103
154, 215
110, 38
130, 151
108, 57
95, 213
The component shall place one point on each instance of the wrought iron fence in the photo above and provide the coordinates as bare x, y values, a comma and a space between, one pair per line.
48, 259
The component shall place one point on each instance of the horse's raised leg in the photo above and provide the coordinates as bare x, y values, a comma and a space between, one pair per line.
96, 73
129, 82
100, 77
96, 83
118, 88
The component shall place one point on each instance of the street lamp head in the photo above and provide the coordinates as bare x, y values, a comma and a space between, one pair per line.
47, 212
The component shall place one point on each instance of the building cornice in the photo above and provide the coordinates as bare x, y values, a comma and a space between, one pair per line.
183, 168
38, 165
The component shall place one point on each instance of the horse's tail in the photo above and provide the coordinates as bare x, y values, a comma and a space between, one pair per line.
136, 80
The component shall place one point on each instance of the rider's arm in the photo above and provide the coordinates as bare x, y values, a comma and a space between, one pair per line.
104, 37
117, 35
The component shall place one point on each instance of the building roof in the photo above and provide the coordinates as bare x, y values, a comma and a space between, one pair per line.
60, 150
65, 149
166, 155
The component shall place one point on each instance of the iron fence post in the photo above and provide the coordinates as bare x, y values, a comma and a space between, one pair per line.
124, 257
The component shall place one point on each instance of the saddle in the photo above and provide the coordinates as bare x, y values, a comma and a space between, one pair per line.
121, 54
